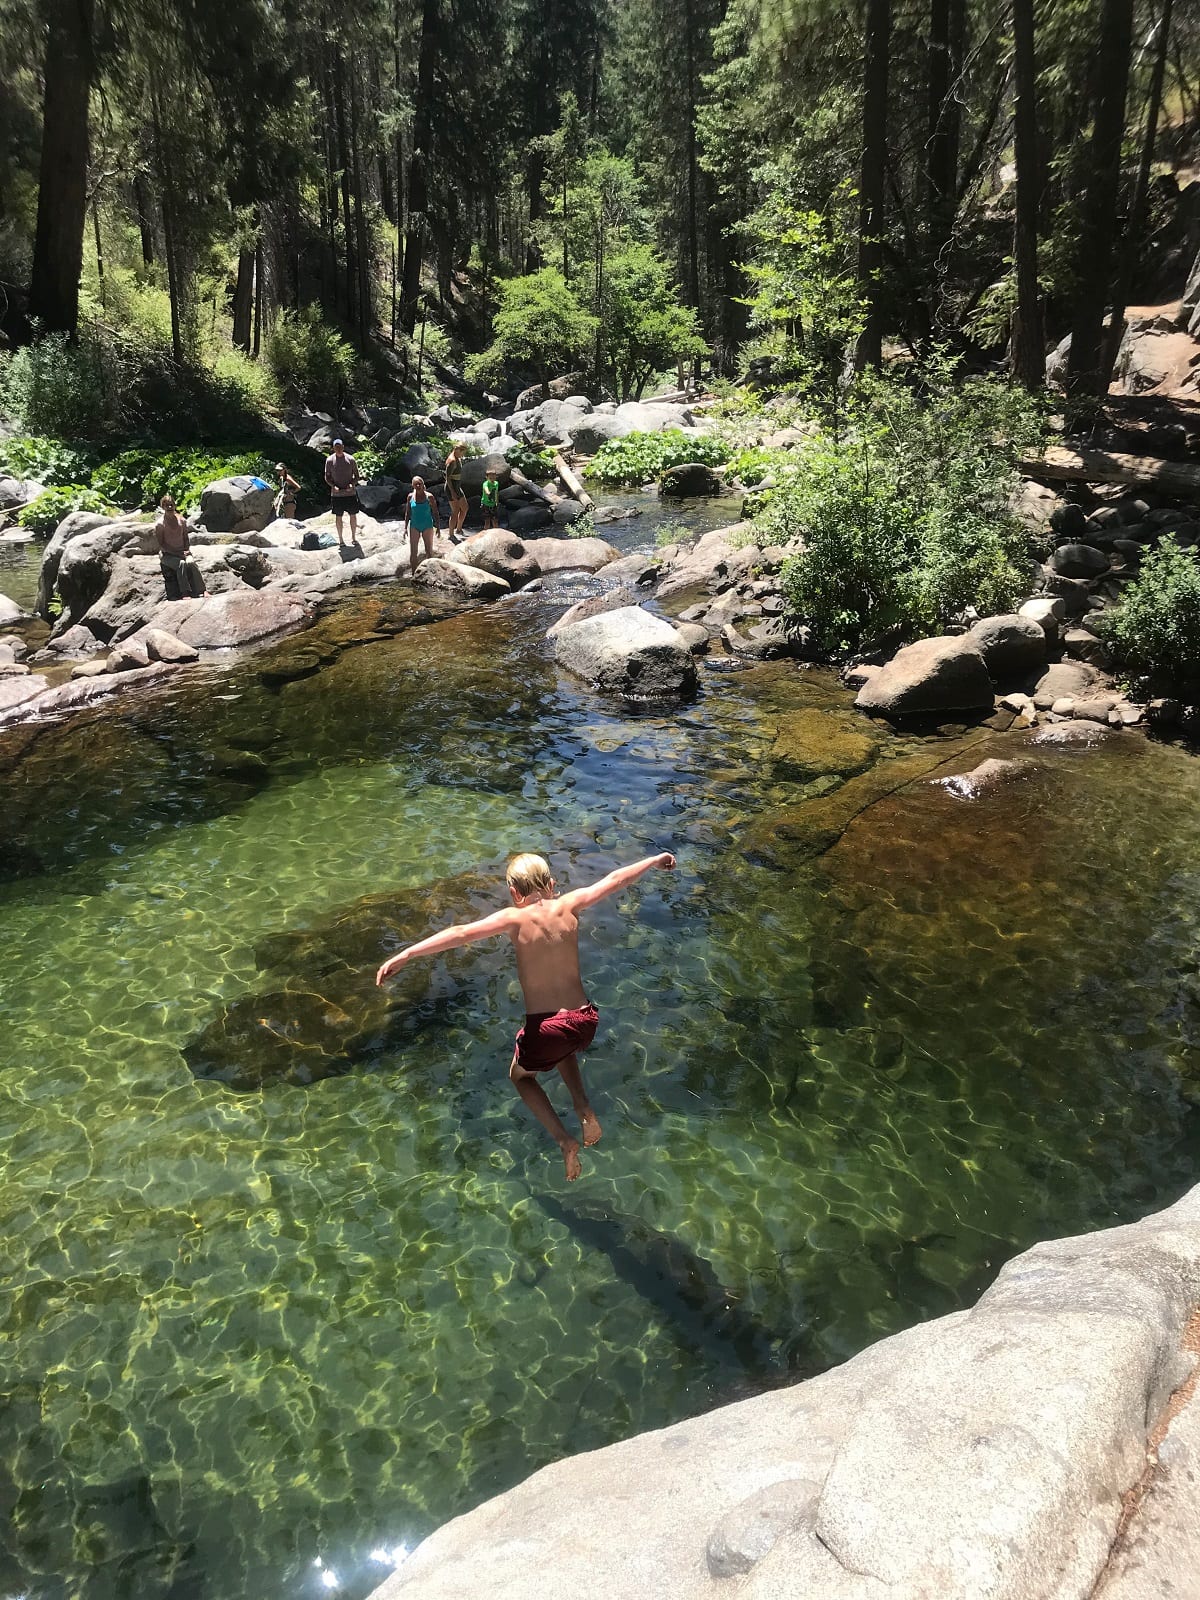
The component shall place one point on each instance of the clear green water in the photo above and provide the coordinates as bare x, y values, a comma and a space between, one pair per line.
246, 1330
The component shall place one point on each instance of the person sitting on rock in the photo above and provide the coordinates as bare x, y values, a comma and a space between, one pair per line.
182, 578
420, 519
559, 1018
341, 474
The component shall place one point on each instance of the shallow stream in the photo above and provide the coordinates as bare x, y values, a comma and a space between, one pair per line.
289, 1275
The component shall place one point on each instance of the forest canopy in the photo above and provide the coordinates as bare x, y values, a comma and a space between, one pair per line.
250, 202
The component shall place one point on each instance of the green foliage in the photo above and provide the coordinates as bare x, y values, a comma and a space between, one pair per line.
48, 461
904, 516
540, 324
55, 387
310, 360
583, 527
371, 462
122, 478
640, 457
43, 515
805, 300
756, 462
643, 326
1157, 624
112, 384
534, 463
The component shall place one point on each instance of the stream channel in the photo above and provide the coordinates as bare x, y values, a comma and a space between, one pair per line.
289, 1276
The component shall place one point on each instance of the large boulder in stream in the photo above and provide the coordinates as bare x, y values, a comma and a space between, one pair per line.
571, 555
502, 554
319, 1013
460, 580
1012, 646
930, 676
78, 559
626, 652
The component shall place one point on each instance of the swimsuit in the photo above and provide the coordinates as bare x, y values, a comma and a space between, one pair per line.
453, 474
549, 1037
420, 514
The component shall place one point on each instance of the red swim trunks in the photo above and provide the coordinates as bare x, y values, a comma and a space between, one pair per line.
549, 1037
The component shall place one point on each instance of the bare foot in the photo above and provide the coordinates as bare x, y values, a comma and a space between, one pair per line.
571, 1157
590, 1123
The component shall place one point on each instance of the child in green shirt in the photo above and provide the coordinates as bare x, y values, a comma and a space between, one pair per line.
490, 503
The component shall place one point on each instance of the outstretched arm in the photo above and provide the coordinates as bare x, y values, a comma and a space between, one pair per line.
449, 939
580, 899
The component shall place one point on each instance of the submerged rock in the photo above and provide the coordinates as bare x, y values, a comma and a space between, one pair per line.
323, 1015
987, 775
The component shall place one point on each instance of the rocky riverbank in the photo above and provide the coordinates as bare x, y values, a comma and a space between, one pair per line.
1041, 1444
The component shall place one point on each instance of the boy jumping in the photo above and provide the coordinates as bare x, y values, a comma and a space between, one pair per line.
559, 1020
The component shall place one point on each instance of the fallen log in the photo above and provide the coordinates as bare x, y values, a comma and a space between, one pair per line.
1097, 466
573, 484
531, 488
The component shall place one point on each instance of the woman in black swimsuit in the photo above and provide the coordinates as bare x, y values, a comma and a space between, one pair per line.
458, 500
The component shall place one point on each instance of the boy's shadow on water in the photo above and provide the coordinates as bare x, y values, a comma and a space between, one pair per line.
351, 552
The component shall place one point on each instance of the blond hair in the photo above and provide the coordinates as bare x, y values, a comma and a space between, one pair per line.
167, 503
528, 875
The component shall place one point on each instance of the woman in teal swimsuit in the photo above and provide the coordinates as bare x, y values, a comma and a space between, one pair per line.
420, 517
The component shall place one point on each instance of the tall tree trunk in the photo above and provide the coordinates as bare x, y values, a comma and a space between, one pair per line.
243, 298
167, 190
62, 182
259, 289
1093, 266
947, 23
418, 176
693, 231
361, 251
141, 203
343, 142
1028, 353
872, 179
1131, 233
99, 252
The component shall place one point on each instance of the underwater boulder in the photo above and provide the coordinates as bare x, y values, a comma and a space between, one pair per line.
321, 1014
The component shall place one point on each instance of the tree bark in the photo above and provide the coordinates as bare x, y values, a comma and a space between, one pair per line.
872, 179
259, 288
361, 251
62, 183
946, 31
693, 231
343, 143
145, 228
1093, 267
166, 187
243, 298
1028, 351
1130, 235
418, 177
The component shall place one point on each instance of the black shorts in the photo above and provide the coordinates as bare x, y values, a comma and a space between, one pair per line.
345, 502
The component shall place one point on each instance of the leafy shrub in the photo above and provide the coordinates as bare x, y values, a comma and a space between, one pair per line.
1157, 624
309, 359
47, 461
55, 386
904, 518
122, 477
534, 463
540, 324
640, 457
43, 515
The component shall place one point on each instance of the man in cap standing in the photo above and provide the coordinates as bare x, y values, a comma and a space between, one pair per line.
341, 474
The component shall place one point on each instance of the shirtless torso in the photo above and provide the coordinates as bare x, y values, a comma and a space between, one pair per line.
545, 937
